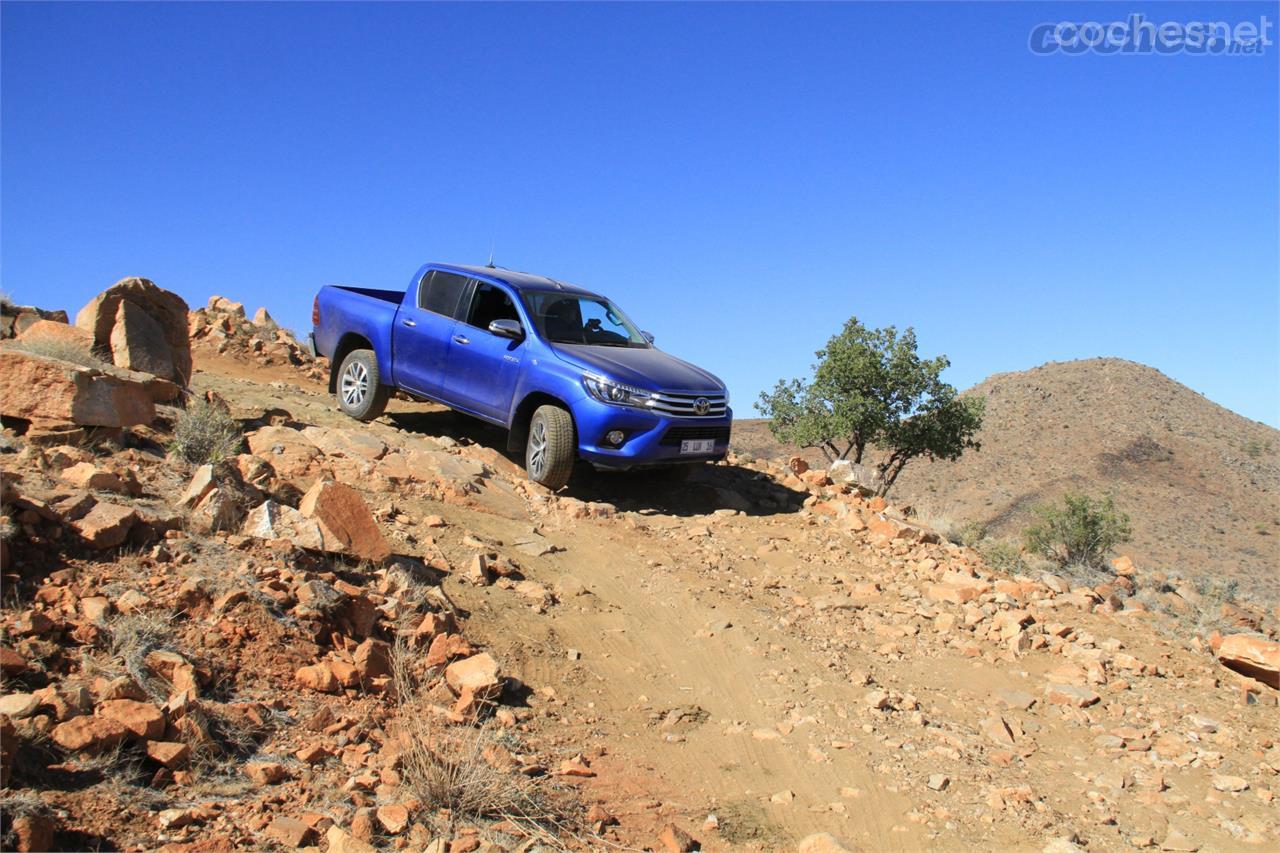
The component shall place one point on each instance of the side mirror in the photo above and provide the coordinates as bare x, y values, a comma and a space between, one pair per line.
507, 329
648, 336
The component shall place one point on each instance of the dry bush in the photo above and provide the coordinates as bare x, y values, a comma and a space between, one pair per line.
204, 433
444, 765
1001, 555
63, 350
135, 636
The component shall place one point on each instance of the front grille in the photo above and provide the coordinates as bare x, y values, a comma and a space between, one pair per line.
674, 435
685, 404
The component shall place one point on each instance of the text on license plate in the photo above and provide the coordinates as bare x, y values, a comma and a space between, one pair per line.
698, 445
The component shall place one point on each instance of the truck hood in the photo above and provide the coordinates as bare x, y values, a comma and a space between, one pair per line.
646, 369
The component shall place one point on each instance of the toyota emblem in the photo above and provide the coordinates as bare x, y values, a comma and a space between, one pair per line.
701, 406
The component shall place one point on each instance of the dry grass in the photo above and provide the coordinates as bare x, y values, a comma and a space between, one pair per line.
135, 636
63, 350
14, 806
205, 433
444, 766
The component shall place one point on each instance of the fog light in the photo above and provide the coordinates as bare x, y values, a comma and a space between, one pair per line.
615, 437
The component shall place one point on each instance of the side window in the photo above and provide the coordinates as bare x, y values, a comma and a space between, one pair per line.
490, 303
440, 292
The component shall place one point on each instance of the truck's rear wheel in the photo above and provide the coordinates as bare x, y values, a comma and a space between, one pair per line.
361, 393
550, 451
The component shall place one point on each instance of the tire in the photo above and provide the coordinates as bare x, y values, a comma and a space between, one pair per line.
361, 393
550, 450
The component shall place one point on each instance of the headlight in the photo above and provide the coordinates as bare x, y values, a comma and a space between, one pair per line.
608, 391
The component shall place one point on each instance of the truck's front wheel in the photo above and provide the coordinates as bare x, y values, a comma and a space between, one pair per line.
361, 393
550, 451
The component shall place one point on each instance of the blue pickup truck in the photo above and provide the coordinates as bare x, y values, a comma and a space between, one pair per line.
562, 369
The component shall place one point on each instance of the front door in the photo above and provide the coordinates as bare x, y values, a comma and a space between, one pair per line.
483, 367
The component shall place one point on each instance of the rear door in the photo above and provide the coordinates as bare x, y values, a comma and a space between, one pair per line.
483, 367
423, 332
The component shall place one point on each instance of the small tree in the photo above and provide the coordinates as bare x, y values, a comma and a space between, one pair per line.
1079, 532
870, 388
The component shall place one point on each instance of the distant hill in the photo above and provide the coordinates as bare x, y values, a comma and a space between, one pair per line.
1201, 483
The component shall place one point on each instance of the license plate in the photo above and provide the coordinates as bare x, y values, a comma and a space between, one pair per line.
698, 445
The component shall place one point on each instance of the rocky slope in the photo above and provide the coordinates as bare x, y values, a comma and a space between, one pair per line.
349, 637
1201, 483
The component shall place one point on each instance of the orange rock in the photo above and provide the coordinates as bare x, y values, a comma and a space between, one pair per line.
143, 325
394, 818
341, 511
91, 734
446, 647
265, 772
33, 832
1069, 694
1252, 656
11, 663
345, 671
318, 677
169, 754
675, 840
373, 658
478, 673
291, 832
106, 525
142, 719
51, 330
35, 387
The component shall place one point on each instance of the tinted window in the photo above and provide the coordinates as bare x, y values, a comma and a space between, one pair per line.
441, 291
488, 304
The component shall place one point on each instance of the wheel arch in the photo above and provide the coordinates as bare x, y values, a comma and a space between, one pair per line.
518, 431
350, 341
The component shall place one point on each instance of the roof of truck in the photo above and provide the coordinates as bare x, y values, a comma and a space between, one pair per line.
518, 280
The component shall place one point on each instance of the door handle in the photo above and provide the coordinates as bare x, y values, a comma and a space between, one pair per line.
409, 323
460, 339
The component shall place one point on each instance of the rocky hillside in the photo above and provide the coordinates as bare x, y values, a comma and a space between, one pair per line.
350, 637
1201, 483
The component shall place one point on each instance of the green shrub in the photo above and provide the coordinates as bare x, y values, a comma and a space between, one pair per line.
1080, 531
204, 433
63, 350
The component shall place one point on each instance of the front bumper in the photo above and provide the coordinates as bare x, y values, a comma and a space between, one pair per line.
651, 439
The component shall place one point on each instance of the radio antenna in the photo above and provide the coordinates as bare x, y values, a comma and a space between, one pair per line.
491, 266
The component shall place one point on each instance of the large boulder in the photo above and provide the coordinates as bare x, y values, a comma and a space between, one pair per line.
138, 342
144, 327
40, 389
1253, 656
15, 319
52, 330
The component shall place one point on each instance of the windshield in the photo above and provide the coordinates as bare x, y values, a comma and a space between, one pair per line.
564, 318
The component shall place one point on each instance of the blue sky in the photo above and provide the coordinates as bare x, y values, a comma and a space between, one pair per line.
740, 178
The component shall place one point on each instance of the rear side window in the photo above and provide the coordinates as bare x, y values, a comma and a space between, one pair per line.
441, 291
